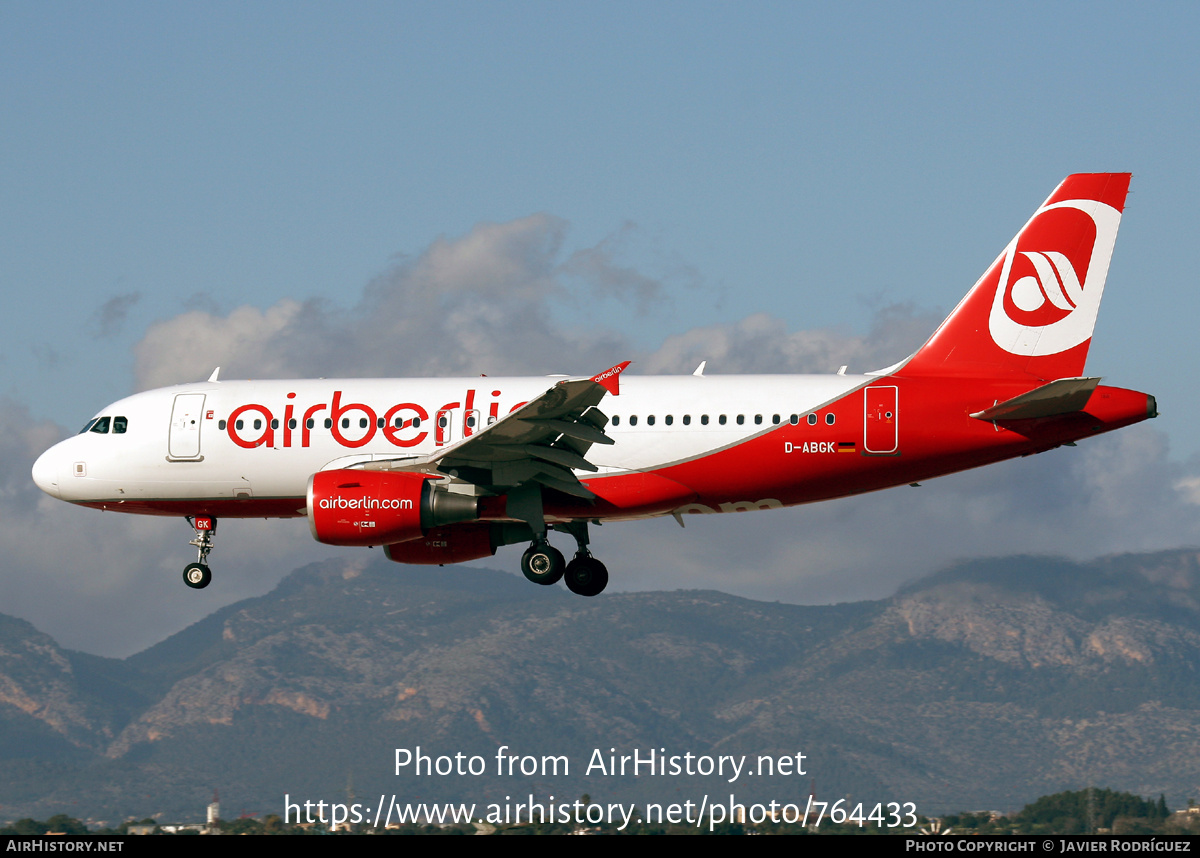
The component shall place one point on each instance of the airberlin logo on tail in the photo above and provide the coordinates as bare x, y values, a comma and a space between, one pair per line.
1052, 278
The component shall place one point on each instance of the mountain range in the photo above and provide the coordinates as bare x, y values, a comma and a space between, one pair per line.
982, 686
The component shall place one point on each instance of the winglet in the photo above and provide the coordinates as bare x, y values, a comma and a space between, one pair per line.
610, 378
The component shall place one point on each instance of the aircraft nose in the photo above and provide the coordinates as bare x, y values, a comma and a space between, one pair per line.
45, 473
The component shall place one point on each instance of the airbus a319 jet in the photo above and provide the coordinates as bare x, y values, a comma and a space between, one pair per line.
442, 470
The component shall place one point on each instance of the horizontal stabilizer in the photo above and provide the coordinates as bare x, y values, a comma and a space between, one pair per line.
1063, 396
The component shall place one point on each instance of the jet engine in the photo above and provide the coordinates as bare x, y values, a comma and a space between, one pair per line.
455, 544
358, 507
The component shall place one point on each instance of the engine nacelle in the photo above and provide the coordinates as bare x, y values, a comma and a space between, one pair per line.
455, 544
359, 507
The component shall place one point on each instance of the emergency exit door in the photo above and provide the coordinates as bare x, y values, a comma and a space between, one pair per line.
881, 413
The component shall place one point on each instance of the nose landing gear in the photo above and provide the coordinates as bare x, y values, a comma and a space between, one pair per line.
197, 575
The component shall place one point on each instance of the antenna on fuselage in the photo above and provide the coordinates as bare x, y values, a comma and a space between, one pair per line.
699, 373
216, 372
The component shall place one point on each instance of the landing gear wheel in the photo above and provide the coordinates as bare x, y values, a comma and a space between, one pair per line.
542, 563
197, 576
586, 576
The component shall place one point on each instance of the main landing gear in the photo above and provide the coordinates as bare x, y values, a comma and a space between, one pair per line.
197, 575
544, 564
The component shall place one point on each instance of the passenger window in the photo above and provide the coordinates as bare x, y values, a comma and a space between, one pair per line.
274, 422
650, 420
399, 421
829, 418
120, 424
257, 423
292, 423
741, 418
100, 427
380, 423
616, 420
328, 422
758, 419
795, 418
703, 419
221, 425
310, 423
362, 423
237, 424
775, 419
687, 420
345, 422
669, 419
721, 419
812, 420
633, 420
416, 422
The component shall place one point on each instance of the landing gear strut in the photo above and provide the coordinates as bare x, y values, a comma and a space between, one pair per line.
543, 564
197, 575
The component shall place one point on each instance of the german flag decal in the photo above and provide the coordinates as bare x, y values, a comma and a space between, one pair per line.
847, 447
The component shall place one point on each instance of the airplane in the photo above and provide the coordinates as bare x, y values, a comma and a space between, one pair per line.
442, 470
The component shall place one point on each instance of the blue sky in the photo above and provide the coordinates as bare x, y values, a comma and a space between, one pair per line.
813, 165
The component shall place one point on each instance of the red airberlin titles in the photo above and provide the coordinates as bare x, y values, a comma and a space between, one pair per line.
447, 470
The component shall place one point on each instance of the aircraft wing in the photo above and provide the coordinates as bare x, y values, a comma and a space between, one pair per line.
544, 441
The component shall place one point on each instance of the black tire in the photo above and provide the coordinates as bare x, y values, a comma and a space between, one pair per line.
197, 576
542, 563
586, 576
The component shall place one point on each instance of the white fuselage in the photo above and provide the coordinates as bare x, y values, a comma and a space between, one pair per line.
257, 440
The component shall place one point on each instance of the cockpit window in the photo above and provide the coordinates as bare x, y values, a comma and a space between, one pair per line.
100, 425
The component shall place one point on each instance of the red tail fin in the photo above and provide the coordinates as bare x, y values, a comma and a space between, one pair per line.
1033, 312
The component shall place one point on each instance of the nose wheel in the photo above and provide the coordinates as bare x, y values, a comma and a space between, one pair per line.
197, 575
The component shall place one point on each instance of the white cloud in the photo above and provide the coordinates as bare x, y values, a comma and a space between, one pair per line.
477, 304
763, 344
